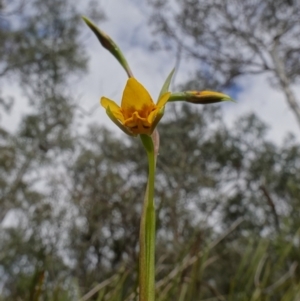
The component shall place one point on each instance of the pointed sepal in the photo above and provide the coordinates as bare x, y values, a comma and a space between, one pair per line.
166, 85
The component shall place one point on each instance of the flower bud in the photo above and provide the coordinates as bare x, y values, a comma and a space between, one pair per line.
110, 45
200, 97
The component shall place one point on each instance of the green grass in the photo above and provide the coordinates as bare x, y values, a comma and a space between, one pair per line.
243, 270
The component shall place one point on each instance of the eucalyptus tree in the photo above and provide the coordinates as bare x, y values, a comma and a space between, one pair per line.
41, 53
234, 38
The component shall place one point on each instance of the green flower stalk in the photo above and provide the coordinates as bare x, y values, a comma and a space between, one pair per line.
147, 230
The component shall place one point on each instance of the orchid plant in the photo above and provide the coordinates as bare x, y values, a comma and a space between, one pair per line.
138, 115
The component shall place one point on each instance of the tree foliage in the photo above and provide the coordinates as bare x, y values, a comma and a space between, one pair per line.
230, 39
227, 197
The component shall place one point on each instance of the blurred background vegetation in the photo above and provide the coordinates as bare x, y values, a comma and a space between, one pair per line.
228, 198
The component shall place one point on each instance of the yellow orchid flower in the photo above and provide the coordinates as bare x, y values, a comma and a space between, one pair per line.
138, 113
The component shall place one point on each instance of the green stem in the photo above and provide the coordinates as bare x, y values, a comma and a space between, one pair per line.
147, 230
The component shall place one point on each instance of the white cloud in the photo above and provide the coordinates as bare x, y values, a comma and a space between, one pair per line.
10, 90
269, 104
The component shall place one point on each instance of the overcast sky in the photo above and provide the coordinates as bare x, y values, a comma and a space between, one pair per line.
127, 24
